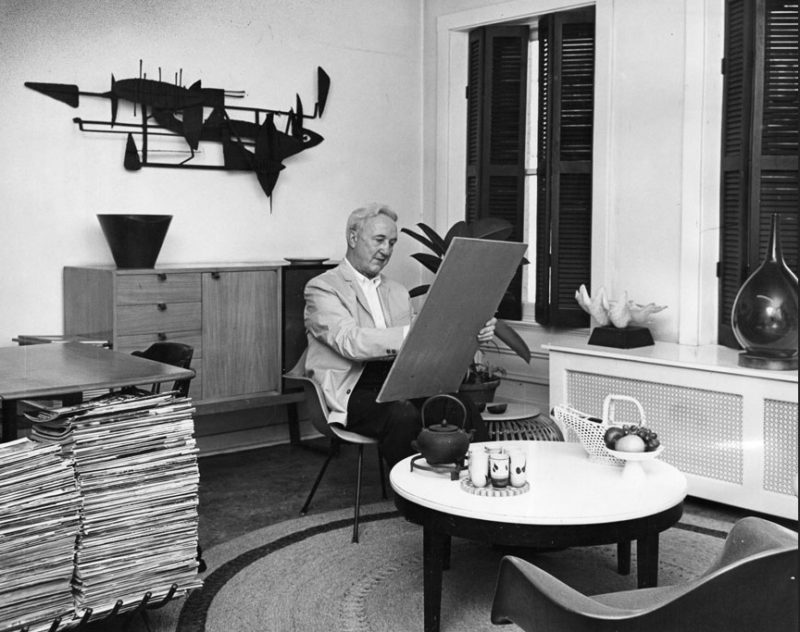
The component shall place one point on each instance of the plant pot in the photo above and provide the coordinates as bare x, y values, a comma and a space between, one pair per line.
480, 392
135, 240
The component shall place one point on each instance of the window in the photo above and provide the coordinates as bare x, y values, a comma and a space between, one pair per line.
759, 174
497, 126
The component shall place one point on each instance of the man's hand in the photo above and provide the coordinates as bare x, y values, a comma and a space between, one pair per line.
487, 332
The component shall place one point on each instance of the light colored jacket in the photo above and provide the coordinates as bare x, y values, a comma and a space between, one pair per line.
342, 334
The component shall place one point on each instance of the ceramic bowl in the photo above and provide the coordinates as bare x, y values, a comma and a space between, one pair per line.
636, 456
496, 409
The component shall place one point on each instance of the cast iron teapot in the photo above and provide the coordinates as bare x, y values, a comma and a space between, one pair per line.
444, 442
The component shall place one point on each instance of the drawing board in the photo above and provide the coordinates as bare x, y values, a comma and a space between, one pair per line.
442, 340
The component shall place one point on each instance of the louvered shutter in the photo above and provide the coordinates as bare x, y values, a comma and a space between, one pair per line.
761, 117
496, 124
564, 180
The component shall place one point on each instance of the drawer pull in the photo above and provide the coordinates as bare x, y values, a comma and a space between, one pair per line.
162, 307
161, 276
215, 275
162, 336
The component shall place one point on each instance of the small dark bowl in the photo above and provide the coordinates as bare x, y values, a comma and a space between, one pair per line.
496, 408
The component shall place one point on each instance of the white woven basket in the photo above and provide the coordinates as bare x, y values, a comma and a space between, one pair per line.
590, 433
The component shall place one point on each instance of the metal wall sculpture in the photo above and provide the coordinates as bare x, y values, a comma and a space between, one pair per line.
169, 109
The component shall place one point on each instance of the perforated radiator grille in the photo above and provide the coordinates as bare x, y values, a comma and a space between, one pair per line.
780, 445
701, 430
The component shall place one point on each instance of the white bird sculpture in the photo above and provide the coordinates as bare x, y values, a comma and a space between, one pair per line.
640, 314
620, 313
596, 307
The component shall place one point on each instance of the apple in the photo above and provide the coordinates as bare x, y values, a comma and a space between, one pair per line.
612, 435
630, 443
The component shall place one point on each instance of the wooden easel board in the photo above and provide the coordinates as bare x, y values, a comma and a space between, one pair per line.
442, 341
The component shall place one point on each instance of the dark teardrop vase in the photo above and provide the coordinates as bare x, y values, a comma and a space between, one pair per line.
764, 315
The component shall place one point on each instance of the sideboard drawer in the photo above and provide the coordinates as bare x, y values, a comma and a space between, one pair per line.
140, 342
159, 317
135, 289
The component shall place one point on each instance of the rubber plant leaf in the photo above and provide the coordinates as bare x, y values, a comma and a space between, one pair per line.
439, 246
514, 341
490, 228
420, 238
431, 262
419, 291
459, 229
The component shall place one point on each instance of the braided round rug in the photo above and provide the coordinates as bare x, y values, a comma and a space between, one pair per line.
306, 575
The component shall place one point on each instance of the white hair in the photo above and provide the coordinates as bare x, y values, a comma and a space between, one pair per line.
361, 215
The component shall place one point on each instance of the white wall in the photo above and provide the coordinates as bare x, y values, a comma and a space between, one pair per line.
55, 179
657, 121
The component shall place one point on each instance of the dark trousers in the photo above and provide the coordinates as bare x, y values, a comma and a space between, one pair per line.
397, 424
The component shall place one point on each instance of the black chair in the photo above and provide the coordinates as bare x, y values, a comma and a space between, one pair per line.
175, 354
315, 409
752, 585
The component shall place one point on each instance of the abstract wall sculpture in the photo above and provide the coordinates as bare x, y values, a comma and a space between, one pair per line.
193, 115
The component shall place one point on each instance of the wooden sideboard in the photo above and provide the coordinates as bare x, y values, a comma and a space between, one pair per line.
731, 430
232, 314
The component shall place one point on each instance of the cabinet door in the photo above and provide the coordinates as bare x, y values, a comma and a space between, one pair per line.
241, 334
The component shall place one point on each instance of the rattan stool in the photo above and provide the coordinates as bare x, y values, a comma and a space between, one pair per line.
521, 422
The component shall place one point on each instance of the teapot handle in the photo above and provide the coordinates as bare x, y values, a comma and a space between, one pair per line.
454, 398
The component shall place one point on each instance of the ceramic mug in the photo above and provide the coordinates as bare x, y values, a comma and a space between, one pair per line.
499, 469
518, 466
478, 467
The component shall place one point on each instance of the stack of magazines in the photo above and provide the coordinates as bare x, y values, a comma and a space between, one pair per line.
136, 466
39, 521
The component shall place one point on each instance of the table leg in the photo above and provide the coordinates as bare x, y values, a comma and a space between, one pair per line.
624, 557
9, 420
647, 556
434, 548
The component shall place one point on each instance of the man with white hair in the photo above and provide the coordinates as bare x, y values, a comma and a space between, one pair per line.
356, 320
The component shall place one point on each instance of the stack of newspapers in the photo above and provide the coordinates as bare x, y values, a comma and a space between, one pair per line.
136, 466
39, 521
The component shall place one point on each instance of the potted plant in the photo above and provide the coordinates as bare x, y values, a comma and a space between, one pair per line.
481, 380
482, 377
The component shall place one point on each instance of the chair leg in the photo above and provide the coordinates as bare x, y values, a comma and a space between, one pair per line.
358, 492
382, 475
331, 452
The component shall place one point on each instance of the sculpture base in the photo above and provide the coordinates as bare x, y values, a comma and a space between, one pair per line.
625, 338
753, 361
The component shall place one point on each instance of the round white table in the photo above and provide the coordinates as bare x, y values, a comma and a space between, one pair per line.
572, 501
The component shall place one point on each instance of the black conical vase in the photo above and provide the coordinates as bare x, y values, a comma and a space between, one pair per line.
135, 240
764, 314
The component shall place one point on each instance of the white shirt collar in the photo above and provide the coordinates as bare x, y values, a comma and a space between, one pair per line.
369, 287
364, 281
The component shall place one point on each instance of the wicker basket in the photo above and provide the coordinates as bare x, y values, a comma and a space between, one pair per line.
590, 433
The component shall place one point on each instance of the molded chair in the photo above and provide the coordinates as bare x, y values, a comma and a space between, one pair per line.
316, 409
752, 585
175, 354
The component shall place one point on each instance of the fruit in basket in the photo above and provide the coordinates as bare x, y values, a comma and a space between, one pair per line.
611, 436
631, 438
630, 443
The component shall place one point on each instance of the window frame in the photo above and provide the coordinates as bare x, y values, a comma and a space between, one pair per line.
444, 150
452, 62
